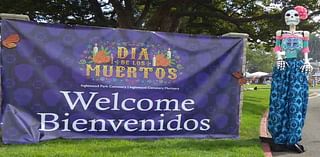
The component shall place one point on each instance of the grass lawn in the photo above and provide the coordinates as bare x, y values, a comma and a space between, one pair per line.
315, 87
255, 103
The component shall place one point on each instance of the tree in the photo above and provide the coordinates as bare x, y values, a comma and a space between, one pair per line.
314, 45
259, 58
214, 17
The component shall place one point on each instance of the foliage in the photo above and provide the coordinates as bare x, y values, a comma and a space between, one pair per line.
259, 58
255, 103
214, 17
314, 45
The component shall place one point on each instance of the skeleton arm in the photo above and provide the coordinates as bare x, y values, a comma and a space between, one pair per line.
306, 66
281, 64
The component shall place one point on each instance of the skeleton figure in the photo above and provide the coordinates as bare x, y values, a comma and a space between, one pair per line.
289, 88
292, 19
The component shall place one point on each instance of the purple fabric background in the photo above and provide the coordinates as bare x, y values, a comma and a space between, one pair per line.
45, 61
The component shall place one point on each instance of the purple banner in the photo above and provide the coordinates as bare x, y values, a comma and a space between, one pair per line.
86, 82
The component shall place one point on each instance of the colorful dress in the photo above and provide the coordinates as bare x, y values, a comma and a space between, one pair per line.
289, 91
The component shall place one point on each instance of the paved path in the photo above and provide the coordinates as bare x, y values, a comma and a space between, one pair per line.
311, 131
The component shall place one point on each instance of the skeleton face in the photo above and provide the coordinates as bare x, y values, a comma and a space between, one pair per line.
292, 17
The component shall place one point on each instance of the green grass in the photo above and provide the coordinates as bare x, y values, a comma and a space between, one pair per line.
315, 87
255, 103
259, 86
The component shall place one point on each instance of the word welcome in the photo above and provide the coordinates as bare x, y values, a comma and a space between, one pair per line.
76, 101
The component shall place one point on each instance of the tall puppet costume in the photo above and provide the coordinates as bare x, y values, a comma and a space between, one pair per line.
289, 88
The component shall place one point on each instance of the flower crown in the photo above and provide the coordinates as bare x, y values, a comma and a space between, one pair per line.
302, 11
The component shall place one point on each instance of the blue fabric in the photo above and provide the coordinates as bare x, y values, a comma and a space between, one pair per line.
288, 103
292, 47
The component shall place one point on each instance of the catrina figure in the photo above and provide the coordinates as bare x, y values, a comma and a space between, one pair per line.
289, 88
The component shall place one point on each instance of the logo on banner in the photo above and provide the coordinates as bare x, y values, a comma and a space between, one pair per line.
130, 62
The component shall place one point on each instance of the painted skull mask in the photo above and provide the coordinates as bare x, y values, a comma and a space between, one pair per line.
292, 17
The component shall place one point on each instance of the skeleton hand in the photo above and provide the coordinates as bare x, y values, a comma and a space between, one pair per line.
281, 64
307, 68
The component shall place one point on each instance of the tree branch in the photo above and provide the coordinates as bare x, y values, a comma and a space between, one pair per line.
243, 5
99, 16
103, 4
237, 21
143, 13
314, 14
164, 14
117, 5
128, 4
125, 15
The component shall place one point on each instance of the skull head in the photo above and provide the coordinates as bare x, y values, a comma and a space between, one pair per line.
292, 17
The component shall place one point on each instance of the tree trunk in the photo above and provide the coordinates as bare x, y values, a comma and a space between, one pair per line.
124, 13
165, 18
